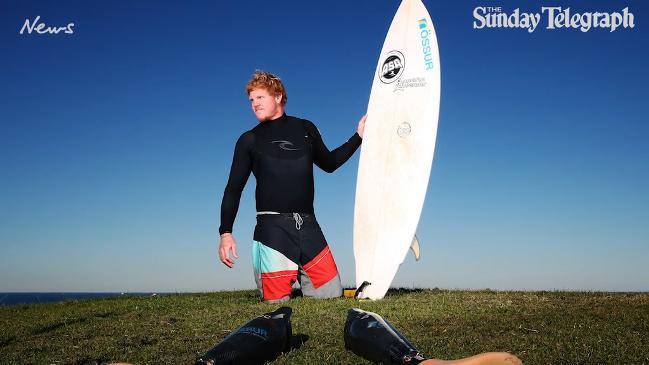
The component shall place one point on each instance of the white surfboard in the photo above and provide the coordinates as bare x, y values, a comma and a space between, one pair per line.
397, 150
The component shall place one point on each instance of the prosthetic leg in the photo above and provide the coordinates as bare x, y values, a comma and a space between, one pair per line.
368, 335
256, 342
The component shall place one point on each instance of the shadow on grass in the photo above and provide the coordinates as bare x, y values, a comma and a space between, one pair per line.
90, 360
54, 326
296, 293
404, 291
297, 341
7, 341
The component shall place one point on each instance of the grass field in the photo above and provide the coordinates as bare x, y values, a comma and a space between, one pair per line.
539, 327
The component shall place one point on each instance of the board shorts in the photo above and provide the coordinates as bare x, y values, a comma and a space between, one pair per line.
290, 249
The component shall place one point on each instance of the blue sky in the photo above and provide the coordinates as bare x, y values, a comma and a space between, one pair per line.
117, 142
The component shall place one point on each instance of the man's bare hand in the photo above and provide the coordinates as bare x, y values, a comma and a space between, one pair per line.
361, 126
228, 244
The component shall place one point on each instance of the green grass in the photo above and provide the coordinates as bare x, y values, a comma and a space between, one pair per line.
539, 327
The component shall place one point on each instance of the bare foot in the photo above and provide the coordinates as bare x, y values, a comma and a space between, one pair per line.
488, 358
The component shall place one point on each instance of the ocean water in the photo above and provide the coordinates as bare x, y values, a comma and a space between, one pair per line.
29, 298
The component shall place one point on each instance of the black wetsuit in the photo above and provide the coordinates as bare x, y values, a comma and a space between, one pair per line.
281, 153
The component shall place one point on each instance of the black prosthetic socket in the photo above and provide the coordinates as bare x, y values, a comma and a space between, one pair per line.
368, 335
256, 342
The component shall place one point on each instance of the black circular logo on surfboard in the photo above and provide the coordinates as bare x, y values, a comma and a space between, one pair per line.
392, 67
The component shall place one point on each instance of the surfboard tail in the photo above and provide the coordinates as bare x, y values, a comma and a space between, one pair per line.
356, 293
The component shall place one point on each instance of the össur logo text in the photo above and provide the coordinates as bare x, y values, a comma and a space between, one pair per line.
424, 34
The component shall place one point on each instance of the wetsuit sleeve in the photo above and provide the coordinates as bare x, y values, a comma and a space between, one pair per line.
327, 160
239, 173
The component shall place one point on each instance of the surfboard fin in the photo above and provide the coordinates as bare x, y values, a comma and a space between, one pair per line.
414, 247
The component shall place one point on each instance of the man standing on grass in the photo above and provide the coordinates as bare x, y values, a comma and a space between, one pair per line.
288, 245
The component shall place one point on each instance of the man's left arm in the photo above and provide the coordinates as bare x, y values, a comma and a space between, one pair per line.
327, 160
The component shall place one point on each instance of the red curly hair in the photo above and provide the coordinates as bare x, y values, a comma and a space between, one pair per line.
266, 80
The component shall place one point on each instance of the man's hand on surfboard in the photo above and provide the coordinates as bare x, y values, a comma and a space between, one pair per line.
361, 125
228, 244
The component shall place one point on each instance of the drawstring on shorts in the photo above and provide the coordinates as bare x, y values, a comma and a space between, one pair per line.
298, 221
296, 216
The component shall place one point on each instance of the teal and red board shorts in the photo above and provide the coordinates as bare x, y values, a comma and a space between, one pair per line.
290, 248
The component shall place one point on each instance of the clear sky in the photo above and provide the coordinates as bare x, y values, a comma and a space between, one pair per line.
116, 142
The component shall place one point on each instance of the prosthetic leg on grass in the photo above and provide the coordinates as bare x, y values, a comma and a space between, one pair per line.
260, 340
368, 335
